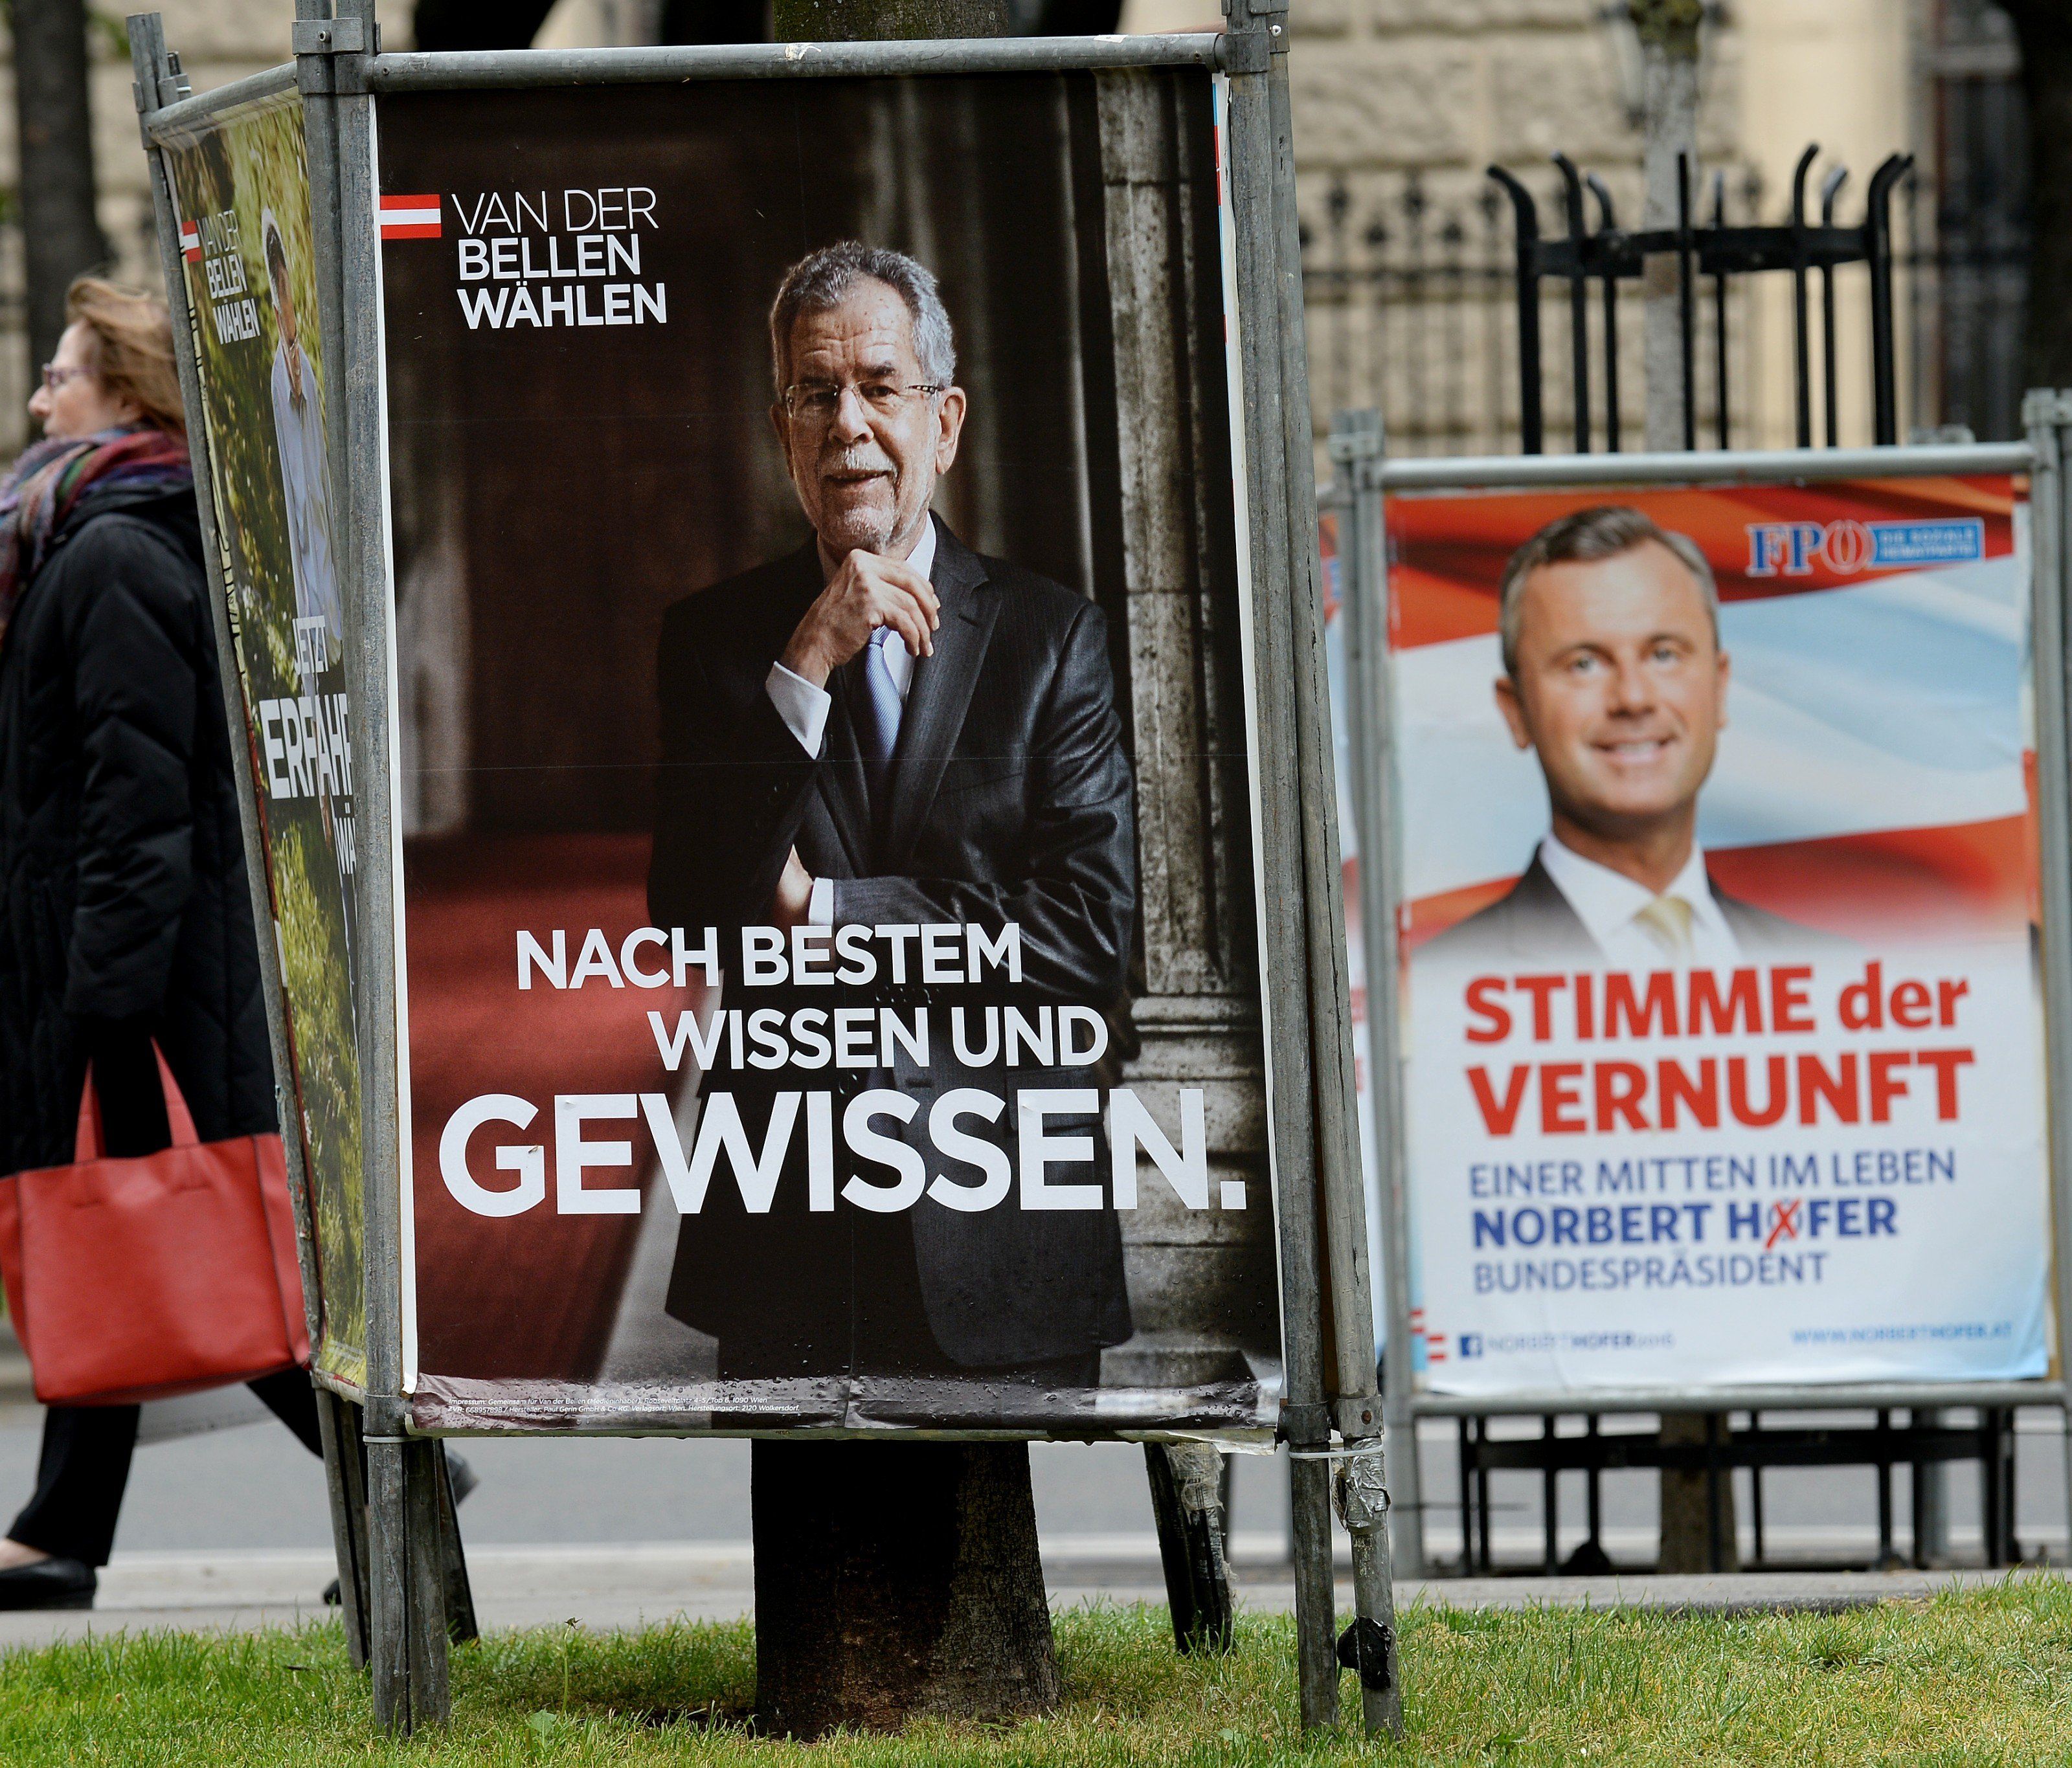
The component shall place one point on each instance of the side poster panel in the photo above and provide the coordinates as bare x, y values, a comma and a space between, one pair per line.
240, 188
1724, 1029
1331, 526
833, 967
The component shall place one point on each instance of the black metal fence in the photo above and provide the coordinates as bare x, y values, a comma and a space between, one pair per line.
1412, 307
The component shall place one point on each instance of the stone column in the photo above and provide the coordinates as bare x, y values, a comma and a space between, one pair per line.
1202, 1284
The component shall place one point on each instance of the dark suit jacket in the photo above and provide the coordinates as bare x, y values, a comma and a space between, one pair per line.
1011, 800
1535, 924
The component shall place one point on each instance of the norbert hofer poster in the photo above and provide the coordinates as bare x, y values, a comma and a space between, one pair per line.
829, 902
240, 191
1724, 1033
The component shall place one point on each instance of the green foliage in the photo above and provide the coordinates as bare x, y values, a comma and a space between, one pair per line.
247, 162
327, 1067
1975, 1678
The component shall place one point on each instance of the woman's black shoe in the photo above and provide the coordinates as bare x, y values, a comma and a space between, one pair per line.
48, 1584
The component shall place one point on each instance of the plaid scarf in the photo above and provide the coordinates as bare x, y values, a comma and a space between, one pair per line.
51, 477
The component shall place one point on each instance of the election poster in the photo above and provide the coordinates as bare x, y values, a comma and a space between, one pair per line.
828, 897
240, 191
1722, 1028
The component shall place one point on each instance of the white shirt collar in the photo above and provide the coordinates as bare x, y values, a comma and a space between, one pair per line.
922, 557
1606, 901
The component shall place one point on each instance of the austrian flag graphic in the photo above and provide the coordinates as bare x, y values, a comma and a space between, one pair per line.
190, 242
409, 217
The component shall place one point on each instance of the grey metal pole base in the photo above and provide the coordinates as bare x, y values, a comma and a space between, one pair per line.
408, 1583
1368, 1646
345, 1479
1309, 1503
1187, 1503
460, 1593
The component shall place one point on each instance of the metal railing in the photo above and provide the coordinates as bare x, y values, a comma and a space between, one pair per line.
1413, 302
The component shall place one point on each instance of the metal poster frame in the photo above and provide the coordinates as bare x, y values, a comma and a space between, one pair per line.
1365, 479
399, 1570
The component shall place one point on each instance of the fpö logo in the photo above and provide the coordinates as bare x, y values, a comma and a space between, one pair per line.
1848, 546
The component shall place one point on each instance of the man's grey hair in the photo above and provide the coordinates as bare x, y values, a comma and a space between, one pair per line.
824, 279
1605, 531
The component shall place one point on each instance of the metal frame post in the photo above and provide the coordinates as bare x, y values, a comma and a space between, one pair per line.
1254, 145
407, 1630
158, 81
345, 1464
1369, 1646
2047, 416
1311, 1037
1358, 446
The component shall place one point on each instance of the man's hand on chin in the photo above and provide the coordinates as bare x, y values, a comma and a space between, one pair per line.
794, 900
866, 592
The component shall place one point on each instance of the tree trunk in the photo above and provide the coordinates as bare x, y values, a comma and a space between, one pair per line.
61, 234
713, 21
896, 1581
479, 24
2044, 30
1688, 1525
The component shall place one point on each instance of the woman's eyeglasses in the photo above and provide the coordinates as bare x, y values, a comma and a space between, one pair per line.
54, 377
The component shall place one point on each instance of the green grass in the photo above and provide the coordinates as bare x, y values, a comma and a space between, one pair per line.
1982, 1677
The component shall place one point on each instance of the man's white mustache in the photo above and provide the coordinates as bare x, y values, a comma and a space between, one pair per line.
856, 463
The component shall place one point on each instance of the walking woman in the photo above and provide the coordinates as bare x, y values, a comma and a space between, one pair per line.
124, 918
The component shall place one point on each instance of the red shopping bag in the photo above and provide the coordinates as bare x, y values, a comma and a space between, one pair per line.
133, 1280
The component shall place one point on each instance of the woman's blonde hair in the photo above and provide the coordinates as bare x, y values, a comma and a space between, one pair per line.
133, 339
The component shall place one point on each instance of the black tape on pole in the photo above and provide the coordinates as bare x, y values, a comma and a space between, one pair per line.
1368, 1646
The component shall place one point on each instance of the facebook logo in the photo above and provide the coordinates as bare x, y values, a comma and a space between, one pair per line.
1471, 1344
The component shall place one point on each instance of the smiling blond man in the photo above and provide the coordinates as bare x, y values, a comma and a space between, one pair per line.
1614, 678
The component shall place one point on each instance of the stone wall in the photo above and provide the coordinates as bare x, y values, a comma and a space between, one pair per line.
1201, 1282
1400, 107
1414, 99
1387, 93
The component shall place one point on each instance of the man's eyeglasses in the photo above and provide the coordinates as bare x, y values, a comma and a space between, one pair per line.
54, 377
816, 402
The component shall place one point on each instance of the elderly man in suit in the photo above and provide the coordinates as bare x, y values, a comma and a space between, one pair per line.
888, 729
1614, 678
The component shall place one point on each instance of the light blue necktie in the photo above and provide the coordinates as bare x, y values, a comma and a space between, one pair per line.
877, 717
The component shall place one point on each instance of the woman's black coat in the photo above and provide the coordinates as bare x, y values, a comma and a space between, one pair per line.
123, 900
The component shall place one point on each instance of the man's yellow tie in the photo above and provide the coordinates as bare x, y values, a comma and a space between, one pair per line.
1667, 921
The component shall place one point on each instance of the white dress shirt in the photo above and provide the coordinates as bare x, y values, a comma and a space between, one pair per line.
1609, 903
804, 708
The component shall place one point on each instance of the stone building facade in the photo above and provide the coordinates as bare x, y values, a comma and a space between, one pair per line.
1400, 105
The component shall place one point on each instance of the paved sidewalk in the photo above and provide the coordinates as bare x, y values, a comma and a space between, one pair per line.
605, 1587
